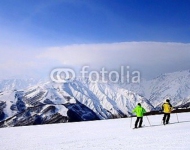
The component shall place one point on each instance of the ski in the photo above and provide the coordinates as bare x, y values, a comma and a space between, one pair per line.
139, 127
158, 125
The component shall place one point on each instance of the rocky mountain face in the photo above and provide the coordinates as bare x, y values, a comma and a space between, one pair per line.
83, 100
41, 105
106, 100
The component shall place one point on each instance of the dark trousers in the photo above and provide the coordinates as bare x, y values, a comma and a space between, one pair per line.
138, 121
166, 118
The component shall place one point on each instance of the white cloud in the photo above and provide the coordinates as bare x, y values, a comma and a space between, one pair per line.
152, 58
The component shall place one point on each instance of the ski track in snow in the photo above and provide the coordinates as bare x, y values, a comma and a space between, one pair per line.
105, 134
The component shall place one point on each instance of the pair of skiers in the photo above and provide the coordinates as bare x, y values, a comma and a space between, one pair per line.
139, 111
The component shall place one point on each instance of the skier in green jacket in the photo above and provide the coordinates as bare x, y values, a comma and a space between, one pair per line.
139, 110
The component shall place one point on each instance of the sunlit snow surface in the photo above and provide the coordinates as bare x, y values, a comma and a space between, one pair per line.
114, 134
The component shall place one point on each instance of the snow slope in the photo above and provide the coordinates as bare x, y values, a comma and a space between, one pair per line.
106, 134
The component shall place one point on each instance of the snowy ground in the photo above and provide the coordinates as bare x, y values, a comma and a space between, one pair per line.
100, 135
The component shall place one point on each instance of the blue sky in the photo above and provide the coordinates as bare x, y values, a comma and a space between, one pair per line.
87, 21
29, 30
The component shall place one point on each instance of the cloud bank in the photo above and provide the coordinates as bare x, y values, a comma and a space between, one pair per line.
150, 58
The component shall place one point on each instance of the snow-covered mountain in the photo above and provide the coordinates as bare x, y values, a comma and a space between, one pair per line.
76, 100
106, 100
175, 86
41, 104
80, 99
18, 83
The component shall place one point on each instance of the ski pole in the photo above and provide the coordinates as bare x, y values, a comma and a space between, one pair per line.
177, 117
148, 121
131, 122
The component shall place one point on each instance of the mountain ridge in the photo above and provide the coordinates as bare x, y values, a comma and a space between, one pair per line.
81, 100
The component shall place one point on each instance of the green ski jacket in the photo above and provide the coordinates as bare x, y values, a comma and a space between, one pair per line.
139, 111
